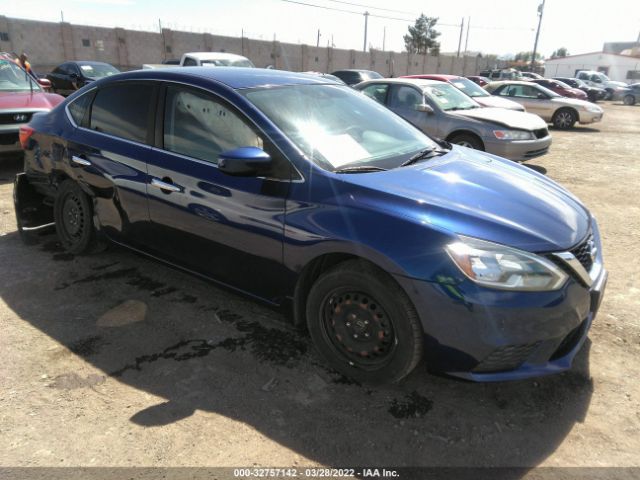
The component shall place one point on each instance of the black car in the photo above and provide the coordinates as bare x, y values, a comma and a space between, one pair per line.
594, 93
70, 76
351, 77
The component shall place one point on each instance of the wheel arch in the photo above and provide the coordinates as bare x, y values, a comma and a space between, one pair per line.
455, 133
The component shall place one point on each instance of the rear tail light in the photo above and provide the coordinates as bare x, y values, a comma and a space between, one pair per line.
25, 134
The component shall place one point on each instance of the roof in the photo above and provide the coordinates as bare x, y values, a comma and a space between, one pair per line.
215, 56
516, 82
590, 53
88, 62
444, 78
237, 78
418, 82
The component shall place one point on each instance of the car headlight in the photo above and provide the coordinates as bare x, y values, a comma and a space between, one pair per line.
594, 109
513, 135
498, 266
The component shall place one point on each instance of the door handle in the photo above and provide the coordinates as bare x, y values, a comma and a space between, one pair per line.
80, 161
164, 185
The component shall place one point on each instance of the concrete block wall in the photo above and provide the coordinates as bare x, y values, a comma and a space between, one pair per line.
48, 44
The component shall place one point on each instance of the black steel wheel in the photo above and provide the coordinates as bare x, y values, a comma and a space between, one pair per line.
73, 213
629, 100
364, 324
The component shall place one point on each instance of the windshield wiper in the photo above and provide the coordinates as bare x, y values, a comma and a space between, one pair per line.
424, 155
359, 169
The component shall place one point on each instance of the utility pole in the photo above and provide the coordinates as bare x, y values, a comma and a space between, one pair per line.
61, 16
466, 42
460, 39
318, 41
535, 45
366, 24
384, 37
242, 41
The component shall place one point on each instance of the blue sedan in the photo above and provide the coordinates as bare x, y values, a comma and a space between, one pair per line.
391, 247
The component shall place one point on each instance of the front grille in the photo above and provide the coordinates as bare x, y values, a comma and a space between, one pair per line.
15, 118
541, 133
506, 358
8, 138
583, 253
569, 342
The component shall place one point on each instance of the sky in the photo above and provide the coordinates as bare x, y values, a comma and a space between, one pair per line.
500, 27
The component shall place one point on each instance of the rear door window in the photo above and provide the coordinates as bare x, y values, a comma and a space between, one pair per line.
123, 110
377, 91
79, 108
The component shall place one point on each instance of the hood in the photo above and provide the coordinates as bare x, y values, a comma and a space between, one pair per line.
35, 100
613, 83
498, 102
506, 118
480, 195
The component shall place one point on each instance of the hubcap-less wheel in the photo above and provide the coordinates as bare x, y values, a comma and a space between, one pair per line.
464, 143
72, 216
629, 100
358, 328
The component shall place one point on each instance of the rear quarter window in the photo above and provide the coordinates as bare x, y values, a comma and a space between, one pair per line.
79, 108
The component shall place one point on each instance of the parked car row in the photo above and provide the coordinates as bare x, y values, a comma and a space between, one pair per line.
391, 246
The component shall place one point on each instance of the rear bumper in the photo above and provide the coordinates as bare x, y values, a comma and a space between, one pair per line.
487, 335
521, 149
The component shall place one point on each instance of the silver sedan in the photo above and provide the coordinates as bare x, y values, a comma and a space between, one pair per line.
442, 111
561, 111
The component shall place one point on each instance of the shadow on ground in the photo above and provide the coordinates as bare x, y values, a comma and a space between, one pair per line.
203, 348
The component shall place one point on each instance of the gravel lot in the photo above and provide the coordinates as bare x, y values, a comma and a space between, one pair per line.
116, 360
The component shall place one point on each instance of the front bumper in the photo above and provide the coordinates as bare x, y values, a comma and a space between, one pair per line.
9, 138
519, 149
486, 335
590, 117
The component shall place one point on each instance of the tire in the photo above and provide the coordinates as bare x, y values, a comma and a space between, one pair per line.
609, 94
73, 215
629, 100
357, 306
467, 140
564, 118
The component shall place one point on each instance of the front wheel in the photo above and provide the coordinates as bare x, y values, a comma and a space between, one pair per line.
466, 140
629, 100
73, 214
363, 323
564, 119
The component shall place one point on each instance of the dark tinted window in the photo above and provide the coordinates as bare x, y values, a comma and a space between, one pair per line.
78, 108
123, 110
190, 62
200, 126
349, 78
404, 97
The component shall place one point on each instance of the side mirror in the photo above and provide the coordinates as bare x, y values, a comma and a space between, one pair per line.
245, 162
423, 107
541, 96
44, 83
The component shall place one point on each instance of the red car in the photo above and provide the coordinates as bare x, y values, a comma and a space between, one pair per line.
474, 91
20, 97
561, 88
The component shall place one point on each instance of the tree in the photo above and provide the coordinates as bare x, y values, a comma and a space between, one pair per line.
561, 52
422, 36
526, 56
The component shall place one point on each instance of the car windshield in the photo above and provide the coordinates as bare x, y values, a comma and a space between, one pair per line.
229, 62
15, 79
548, 92
449, 98
470, 88
336, 126
98, 70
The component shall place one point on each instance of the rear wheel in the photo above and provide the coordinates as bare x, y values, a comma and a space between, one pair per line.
629, 100
467, 140
73, 214
363, 323
564, 118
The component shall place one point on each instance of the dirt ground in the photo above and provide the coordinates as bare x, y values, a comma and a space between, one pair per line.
116, 360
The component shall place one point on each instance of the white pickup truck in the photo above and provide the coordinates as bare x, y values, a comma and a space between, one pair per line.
207, 59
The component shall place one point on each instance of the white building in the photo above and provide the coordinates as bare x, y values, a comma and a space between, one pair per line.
621, 68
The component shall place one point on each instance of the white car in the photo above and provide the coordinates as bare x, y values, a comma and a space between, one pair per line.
600, 80
561, 111
214, 59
